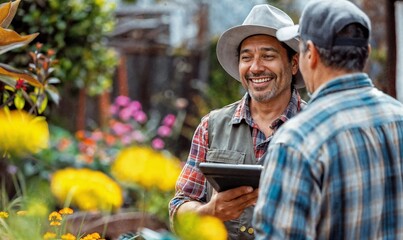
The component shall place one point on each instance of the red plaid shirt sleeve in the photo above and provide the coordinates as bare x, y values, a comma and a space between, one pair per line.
190, 185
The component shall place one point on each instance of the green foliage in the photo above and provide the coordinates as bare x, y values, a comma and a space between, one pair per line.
77, 30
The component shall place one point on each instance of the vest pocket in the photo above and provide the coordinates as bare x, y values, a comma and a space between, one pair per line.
225, 156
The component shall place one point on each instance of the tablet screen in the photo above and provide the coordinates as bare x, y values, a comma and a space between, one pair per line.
227, 176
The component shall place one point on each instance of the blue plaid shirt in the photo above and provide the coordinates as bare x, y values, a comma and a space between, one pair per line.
335, 171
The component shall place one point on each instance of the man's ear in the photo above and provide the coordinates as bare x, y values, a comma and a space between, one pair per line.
312, 54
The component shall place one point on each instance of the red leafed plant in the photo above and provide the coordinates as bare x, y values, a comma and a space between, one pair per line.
19, 87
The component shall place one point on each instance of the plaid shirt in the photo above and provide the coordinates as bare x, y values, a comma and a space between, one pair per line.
335, 171
191, 184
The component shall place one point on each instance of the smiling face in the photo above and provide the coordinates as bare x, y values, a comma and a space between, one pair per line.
264, 68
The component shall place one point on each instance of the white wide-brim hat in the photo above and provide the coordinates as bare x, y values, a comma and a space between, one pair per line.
262, 19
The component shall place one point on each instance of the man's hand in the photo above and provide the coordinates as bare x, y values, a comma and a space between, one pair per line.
230, 204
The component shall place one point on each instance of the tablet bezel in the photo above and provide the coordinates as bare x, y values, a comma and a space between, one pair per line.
223, 176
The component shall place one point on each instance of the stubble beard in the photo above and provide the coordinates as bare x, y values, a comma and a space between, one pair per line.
264, 96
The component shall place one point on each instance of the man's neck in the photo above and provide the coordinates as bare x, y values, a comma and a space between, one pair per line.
325, 74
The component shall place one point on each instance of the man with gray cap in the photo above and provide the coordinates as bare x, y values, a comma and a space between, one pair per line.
240, 132
335, 171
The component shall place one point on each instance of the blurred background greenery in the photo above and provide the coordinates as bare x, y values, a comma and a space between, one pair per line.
134, 73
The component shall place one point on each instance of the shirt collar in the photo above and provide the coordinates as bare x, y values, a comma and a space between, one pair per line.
242, 111
345, 82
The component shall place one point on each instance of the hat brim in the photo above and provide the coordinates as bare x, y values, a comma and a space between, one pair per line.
228, 43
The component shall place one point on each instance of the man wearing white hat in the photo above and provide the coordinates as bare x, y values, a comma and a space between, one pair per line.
335, 171
240, 132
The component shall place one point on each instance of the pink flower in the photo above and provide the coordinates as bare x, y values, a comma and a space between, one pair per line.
122, 101
140, 116
181, 103
164, 131
169, 120
158, 144
138, 136
126, 139
113, 109
126, 113
97, 135
121, 128
135, 106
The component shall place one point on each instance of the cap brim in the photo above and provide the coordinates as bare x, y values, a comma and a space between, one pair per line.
287, 33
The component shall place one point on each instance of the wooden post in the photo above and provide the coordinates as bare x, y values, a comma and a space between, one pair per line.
103, 106
123, 86
81, 111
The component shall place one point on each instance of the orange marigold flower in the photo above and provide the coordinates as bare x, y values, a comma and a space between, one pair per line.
55, 216
68, 236
3, 214
63, 144
55, 223
66, 211
49, 235
92, 236
80, 134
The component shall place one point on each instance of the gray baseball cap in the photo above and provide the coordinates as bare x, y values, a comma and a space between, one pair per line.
321, 20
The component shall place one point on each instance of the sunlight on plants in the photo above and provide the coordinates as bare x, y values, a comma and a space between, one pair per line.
124, 167
22, 133
191, 226
147, 168
87, 189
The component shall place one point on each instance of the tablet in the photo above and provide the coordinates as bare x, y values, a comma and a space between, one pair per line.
227, 176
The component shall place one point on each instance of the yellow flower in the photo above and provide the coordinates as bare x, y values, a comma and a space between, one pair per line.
55, 219
87, 189
68, 236
147, 168
3, 214
55, 216
22, 213
190, 225
22, 133
55, 223
49, 235
92, 236
66, 211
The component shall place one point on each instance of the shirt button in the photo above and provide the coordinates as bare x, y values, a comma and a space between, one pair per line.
251, 231
243, 229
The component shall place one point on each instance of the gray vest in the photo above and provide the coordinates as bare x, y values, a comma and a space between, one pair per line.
229, 143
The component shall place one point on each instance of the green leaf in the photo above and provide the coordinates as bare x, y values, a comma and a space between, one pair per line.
19, 101
53, 80
53, 93
43, 104
6, 96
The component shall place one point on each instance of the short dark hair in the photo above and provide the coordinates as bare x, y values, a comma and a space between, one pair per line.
290, 52
350, 58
